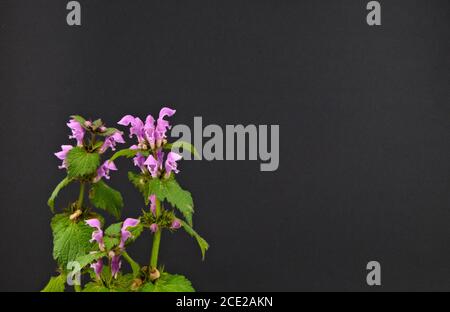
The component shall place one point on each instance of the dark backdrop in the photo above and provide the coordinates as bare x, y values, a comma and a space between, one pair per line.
363, 114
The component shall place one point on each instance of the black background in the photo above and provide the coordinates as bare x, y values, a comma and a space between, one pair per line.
364, 123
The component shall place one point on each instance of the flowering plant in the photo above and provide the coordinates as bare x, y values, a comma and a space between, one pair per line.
81, 244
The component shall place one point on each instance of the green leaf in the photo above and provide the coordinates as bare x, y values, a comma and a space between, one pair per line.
114, 229
80, 120
170, 189
123, 283
70, 239
81, 163
169, 283
109, 131
105, 197
135, 231
112, 234
95, 287
184, 145
89, 258
141, 183
61, 185
180, 199
111, 242
56, 284
157, 187
97, 145
203, 244
128, 153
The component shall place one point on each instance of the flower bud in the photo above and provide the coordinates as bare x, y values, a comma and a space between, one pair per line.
176, 224
154, 228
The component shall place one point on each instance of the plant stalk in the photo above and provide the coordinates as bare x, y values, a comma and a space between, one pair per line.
156, 240
81, 195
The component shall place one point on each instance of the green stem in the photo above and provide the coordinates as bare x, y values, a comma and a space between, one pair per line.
156, 240
77, 288
81, 196
134, 265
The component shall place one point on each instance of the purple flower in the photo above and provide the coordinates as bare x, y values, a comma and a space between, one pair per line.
115, 264
171, 163
139, 161
97, 235
77, 131
103, 170
155, 165
162, 124
136, 128
154, 227
151, 133
63, 155
98, 267
111, 141
176, 224
124, 233
152, 199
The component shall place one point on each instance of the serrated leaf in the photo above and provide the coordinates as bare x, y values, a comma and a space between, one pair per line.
203, 244
81, 163
89, 258
158, 188
56, 284
128, 153
135, 231
111, 242
180, 199
70, 239
95, 287
169, 283
141, 183
123, 283
114, 229
59, 187
105, 197
171, 191
175, 147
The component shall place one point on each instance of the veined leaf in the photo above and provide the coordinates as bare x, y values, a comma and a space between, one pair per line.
105, 197
56, 284
95, 287
171, 191
61, 185
89, 258
203, 244
175, 147
180, 199
81, 163
70, 239
141, 183
113, 229
169, 283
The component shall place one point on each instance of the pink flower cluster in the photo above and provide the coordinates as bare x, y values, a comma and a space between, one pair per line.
97, 236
